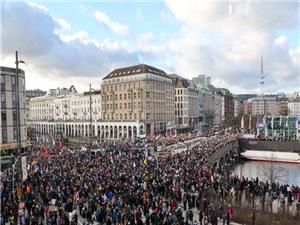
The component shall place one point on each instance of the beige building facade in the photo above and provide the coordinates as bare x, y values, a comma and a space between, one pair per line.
140, 96
186, 103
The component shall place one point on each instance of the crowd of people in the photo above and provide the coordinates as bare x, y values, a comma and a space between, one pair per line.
123, 185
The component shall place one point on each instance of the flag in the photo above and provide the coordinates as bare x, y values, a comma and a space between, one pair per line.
76, 196
250, 122
242, 122
35, 167
45, 150
265, 121
256, 123
272, 122
280, 122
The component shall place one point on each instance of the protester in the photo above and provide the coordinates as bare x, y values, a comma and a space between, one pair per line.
123, 185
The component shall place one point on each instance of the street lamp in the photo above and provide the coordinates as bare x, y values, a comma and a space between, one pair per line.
13, 173
19, 145
18, 100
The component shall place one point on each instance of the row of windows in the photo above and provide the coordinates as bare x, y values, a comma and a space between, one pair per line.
13, 82
78, 110
42, 105
15, 136
138, 77
122, 116
126, 106
4, 118
13, 95
134, 105
134, 116
41, 111
134, 95
122, 87
178, 112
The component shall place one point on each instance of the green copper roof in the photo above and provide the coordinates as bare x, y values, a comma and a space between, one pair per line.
202, 87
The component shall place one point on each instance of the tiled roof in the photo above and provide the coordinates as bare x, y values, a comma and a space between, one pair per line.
132, 70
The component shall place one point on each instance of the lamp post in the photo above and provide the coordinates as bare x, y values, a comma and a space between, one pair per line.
18, 101
91, 117
19, 141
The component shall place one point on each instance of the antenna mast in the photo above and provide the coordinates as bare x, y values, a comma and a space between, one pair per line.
262, 77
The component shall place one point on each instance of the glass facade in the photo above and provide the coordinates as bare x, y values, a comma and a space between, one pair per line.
282, 126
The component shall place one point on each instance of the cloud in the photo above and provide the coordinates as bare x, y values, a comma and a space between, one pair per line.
63, 24
145, 38
57, 56
281, 41
226, 41
116, 27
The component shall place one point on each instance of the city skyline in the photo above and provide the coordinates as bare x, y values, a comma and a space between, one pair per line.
74, 43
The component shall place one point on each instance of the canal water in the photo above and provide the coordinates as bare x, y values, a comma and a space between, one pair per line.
285, 173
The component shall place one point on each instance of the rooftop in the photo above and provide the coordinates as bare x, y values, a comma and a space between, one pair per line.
10, 70
137, 69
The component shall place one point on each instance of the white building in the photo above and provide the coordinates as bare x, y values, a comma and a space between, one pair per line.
219, 108
264, 105
186, 103
294, 109
9, 113
238, 107
67, 114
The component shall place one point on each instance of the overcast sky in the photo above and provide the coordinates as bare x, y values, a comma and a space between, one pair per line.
78, 43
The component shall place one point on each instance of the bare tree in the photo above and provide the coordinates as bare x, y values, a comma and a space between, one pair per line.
273, 172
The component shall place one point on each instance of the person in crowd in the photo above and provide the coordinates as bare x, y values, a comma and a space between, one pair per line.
123, 185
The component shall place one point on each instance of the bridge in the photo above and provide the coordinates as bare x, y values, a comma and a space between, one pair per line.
222, 155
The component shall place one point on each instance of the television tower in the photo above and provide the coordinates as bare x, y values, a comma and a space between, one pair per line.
262, 77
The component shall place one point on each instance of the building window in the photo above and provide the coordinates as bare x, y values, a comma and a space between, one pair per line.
125, 96
134, 95
4, 135
14, 117
3, 118
2, 79
147, 94
3, 97
125, 105
15, 134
